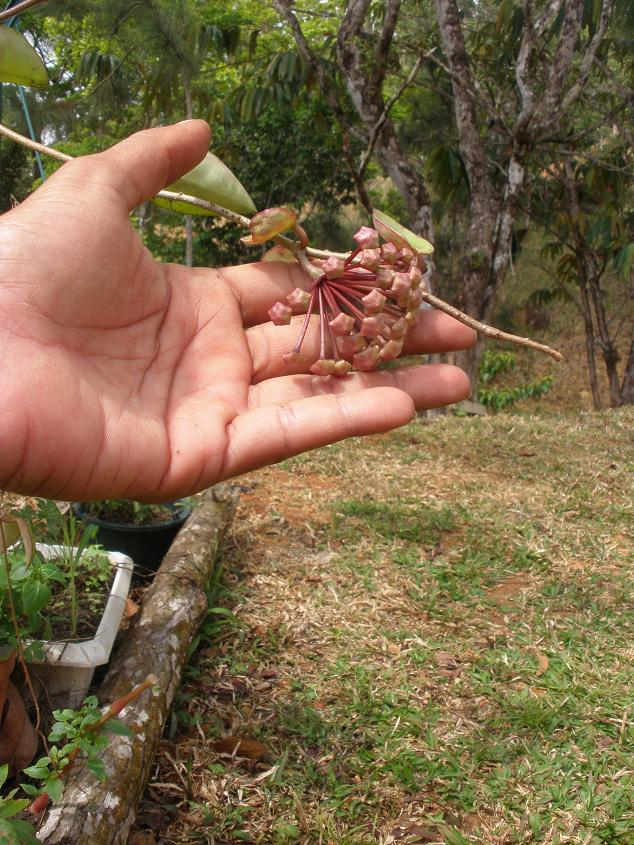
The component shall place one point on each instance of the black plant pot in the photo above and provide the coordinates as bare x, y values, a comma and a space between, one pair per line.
147, 545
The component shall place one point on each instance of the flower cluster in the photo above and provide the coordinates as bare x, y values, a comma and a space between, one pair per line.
366, 304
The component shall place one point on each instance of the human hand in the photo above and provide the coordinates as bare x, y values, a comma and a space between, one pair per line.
126, 377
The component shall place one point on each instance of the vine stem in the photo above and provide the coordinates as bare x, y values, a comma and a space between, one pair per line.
18, 9
488, 331
304, 255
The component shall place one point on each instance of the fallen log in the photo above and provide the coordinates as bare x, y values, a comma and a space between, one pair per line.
94, 812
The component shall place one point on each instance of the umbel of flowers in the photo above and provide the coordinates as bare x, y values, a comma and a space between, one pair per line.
366, 302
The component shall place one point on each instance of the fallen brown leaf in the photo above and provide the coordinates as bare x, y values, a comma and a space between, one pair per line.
542, 664
131, 607
250, 749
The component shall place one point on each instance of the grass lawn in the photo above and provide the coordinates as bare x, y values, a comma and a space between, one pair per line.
423, 637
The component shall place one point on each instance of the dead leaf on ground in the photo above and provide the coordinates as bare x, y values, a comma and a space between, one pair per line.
410, 834
131, 607
244, 747
446, 660
542, 664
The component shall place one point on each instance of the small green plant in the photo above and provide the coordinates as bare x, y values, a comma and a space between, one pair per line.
495, 364
76, 557
75, 733
12, 829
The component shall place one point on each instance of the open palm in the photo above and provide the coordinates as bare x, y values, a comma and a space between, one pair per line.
126, 377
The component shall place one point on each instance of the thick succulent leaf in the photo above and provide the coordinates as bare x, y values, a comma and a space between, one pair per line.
19, 63
210, 180
266, 224
278, 253
391, 230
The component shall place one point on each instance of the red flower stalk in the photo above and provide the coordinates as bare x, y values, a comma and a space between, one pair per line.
365, 303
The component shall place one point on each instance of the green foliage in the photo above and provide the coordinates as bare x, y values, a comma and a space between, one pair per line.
495, 364
74, 733
210, 180
19, 62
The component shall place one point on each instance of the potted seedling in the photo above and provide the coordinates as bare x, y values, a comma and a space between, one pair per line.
144, 532
62, 601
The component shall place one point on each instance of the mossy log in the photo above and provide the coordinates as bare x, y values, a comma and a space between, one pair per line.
93, 812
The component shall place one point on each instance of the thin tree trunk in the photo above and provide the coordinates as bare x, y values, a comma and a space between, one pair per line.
586, 311
627, 386
608, 349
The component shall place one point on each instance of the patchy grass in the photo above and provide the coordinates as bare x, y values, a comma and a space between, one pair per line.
425, 637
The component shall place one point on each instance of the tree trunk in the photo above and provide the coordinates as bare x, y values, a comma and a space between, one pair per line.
608, 348
627, 386
586, 311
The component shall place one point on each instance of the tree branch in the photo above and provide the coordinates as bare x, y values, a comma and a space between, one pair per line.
575, 90
382, 48
7, 14
365, 158
464, 105
488, 331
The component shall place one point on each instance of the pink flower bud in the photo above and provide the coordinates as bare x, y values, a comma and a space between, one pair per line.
367, 359
415, 299
391, 350
369, 259
398, 329
415, 275
373, 302
352, 344
411, 318
298, 299
401, 284
405, 256
389, 252
333, 267
323, 367
372, 326
384, 278
342, 324
342, 368
367, 238
280, 314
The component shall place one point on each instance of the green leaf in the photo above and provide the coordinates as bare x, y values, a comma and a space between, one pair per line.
34, 651
391, 230
97, 767
11, 808
30, 789
37, 772
24, 832
114, 726
210, 180
19, 63
35, 596
4, 772
54, 787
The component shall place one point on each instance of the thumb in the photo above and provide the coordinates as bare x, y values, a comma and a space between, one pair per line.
143, 164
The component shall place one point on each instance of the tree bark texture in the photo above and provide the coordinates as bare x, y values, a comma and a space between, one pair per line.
627, 386
493, 209
93, 812
363, 69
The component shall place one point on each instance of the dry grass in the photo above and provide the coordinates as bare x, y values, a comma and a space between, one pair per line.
429, 640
